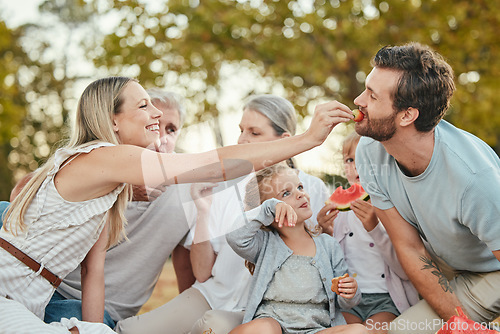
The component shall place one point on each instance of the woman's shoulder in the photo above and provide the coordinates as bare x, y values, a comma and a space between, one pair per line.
62, 154
83, 148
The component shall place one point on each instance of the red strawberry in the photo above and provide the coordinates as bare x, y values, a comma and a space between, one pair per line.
358, 115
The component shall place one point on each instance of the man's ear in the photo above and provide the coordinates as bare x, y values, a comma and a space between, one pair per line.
285, 134
408, 116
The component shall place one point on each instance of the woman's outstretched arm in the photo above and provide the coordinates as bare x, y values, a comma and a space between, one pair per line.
100, 171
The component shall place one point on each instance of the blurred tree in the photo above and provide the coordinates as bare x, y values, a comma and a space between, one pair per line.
307, 50
315, 49
12, 102
49, 59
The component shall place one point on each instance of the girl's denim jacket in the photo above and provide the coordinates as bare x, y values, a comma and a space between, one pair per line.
268, 252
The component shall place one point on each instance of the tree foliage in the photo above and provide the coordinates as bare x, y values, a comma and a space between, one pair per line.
311, 50
39, 60
316, 50
12, 103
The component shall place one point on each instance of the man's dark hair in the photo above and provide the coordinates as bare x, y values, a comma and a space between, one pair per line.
426, 81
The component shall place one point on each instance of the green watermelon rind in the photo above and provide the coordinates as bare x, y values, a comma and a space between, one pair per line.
348, 208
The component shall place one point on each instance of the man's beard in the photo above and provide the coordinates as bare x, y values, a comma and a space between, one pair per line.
379, 129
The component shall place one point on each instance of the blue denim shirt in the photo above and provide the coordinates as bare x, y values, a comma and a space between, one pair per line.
268, 252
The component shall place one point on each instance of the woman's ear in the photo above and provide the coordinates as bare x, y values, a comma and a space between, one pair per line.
115, 125
408, 116
285, 134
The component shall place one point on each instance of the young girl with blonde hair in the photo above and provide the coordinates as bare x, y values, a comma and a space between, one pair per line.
71, 210
291, 287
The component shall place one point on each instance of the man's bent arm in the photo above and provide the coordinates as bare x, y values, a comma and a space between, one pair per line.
423, 272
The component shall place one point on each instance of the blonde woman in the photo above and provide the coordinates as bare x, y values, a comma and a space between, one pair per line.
153, 229
71, 211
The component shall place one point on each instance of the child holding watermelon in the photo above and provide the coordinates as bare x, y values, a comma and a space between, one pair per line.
290, 291
370, 257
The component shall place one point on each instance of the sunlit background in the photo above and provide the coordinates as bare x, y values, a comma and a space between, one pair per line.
216, 53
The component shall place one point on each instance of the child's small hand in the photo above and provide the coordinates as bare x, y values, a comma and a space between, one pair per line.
326, 217
285, 215
201, 193
348, 287
366, 213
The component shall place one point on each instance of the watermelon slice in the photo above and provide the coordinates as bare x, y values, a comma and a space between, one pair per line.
462, 325
344, 197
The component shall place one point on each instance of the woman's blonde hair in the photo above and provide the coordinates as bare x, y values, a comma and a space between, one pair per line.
93, 123
257, 192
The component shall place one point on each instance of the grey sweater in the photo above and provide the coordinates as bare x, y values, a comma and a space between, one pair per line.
268, 252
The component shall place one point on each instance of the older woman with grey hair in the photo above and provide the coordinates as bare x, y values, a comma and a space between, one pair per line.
270, 117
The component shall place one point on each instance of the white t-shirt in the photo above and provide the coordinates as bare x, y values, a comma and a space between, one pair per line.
363, 258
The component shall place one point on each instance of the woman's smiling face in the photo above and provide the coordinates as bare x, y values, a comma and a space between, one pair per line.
138, 120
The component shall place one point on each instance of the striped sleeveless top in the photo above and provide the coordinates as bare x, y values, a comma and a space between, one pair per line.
59, 235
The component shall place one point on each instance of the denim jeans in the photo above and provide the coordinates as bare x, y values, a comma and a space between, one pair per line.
3, 208
60, 307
